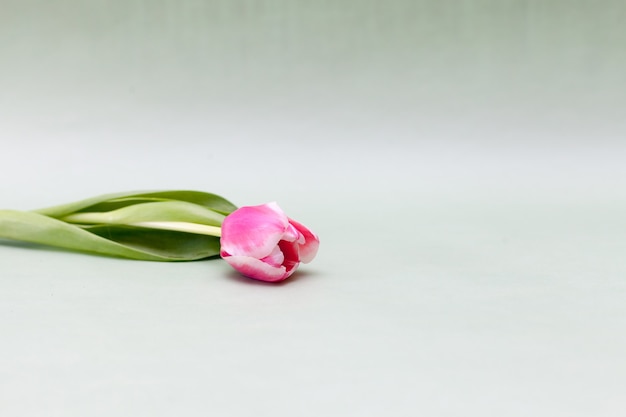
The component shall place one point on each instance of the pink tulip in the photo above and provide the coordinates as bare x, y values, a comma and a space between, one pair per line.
261, 242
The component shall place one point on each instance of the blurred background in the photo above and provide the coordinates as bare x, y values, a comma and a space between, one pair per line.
456, 97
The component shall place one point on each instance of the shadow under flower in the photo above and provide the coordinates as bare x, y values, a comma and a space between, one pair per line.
296, 277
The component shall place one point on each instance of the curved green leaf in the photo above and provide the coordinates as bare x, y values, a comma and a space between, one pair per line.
149, 245
169, 225
160, 211
118, 200
168, 244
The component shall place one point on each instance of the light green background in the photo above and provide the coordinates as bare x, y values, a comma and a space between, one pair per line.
462, 161
475, 89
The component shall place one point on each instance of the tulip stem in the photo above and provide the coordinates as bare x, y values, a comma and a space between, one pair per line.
198, 229
104, 218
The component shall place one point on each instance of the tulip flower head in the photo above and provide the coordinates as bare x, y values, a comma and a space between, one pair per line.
262, 243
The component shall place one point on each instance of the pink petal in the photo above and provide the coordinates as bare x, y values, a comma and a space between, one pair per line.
311, 244
254, 268
276, 258
291, 255
272, 205
292, 234
253, 231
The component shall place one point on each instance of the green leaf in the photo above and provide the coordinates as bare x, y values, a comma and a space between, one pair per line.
149, 245
175, 246
118, 200
156, 225
161, 211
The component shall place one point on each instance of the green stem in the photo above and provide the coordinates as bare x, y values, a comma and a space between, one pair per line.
198, 229
104, 218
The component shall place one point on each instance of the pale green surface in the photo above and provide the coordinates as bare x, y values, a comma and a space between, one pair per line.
467, 308
462, 162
